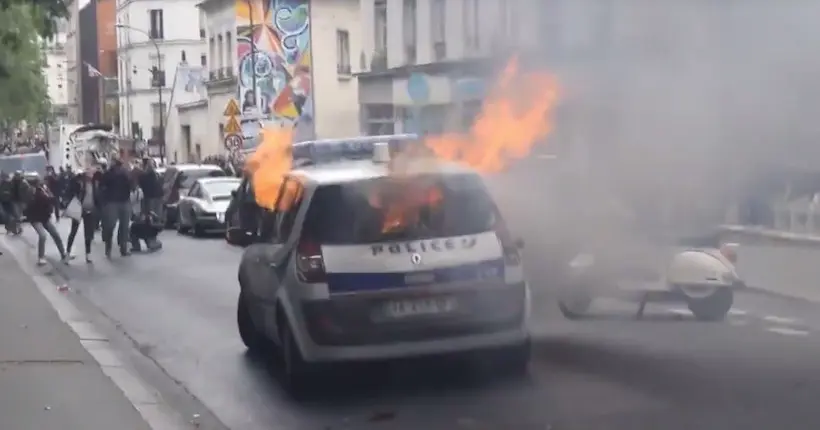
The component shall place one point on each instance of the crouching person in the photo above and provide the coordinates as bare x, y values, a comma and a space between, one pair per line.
145, 228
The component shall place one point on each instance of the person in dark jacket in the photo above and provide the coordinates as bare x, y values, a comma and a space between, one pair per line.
84, 191
39, 211
151, 185
115, 185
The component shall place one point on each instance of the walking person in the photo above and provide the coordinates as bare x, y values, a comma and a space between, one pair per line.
116, 187
83, 208
39, 210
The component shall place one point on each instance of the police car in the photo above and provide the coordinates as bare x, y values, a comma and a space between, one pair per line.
327, 283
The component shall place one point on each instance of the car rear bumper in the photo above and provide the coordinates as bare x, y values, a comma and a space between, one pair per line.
348, 328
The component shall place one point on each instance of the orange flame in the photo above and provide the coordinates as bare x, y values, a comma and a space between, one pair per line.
268, 166
515, 117
401, 202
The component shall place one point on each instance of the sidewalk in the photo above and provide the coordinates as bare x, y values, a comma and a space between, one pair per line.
48, 380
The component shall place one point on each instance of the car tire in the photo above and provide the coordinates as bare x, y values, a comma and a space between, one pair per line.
514, 361
253, 338
181, 229
299, 377
575, 303
714, 307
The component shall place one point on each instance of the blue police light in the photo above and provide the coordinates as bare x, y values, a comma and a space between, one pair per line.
355, 148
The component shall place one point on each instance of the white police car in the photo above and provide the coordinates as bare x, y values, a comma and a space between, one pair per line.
327, 283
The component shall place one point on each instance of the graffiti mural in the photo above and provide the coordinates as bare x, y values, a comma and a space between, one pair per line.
274, 66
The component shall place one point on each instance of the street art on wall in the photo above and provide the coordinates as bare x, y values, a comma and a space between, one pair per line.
274, 58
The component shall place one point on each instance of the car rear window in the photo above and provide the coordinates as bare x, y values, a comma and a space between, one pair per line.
344, 214
188, 177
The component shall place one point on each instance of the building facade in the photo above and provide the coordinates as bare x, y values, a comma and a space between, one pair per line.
72, 53
55, 73
156, 40
276, 59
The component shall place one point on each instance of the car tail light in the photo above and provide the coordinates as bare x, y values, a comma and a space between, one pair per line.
309, 263
729, 251
512, 256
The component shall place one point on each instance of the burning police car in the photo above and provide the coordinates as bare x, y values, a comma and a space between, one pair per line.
357, 263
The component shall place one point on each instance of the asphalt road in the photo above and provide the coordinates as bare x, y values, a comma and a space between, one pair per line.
757, 370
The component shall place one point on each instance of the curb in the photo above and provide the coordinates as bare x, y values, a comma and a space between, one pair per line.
147, 401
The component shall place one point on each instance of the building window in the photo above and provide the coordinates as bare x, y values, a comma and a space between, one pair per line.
157, 29
343, 52
212, 49
378, 119
380, 26
202, 33
470, 12
203, 60
220, 53
409, 31
438, 28
228, 53
157, 70
183, 57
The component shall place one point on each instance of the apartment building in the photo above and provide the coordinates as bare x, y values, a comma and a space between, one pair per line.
155, 40
55, 73
285, 62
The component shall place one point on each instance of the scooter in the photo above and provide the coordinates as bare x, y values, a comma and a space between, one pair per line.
703, 278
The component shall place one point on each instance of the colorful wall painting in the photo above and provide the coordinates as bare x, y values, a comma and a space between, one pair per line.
277, 50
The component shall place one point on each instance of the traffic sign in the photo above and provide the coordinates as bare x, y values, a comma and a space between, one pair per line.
232, 126
232, 109
233, 141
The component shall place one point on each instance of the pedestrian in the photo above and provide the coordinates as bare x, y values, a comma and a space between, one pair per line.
151, 186
116, 188
39, 211
83, 208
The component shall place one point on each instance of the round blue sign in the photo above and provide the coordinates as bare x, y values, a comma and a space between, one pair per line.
417, 88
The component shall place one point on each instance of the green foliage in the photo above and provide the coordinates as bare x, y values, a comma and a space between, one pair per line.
23, 92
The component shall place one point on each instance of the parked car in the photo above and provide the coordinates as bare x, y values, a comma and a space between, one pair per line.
203, 209
178, 180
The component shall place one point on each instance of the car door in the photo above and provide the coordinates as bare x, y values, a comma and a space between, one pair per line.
186, 205
267, 259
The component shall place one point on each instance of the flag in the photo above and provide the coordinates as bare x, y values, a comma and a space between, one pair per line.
92, 72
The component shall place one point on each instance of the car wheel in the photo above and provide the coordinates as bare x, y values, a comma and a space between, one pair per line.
714, 307
198, 231
298, 376
254, 340
514, 361
575, 303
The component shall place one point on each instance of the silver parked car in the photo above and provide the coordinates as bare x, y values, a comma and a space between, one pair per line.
202, 210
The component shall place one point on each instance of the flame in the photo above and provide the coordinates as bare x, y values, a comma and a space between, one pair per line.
268, 166
401, 202
514, 117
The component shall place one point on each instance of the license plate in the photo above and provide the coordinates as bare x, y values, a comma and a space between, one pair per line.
419, 307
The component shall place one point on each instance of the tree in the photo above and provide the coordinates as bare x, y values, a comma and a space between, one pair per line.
23, 92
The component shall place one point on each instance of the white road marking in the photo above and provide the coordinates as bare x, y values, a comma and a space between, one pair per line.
737, 312
679, 311
779, 320
788, 331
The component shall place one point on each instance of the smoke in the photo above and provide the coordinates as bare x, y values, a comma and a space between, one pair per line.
672, 113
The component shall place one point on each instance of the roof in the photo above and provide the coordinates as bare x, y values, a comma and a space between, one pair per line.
194, 166
209, 180
351, 171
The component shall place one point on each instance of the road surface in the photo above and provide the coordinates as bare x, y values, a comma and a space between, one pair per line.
757, 370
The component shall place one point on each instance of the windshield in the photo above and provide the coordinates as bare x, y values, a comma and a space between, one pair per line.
26, 163
188, 177
346, 214
221, 190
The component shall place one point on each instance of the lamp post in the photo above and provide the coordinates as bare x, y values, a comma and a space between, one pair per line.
155, 76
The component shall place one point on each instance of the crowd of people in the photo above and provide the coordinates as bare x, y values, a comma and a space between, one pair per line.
112, 198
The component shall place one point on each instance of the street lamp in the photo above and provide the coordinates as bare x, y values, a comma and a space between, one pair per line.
155, 76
